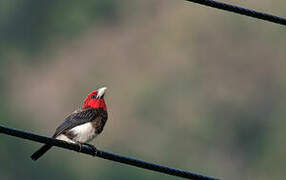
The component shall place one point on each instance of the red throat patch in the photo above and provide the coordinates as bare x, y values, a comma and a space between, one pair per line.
93, 102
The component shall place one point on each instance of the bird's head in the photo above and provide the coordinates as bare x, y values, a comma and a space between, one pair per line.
95, 99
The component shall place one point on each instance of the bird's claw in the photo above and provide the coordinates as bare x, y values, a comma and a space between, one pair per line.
80, 146
94, 150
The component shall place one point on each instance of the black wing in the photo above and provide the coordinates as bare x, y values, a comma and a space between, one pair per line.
76, 118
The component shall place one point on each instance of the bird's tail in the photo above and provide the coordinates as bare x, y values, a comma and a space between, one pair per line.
40, 152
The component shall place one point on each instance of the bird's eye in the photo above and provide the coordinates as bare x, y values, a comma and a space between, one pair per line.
93, 96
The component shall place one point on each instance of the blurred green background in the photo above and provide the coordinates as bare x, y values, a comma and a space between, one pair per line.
189, 87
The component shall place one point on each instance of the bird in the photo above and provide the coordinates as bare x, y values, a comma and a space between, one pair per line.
83, 125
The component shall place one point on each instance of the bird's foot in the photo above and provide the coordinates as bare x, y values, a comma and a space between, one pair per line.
94, 150
80, 146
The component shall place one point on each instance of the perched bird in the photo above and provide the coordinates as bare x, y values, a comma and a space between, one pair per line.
83, 124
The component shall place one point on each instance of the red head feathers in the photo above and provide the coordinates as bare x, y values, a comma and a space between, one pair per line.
95, 99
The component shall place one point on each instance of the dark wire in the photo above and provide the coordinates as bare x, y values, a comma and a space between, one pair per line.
242, 11
103, 154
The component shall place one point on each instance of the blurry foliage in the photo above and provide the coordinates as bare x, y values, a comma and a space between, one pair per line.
28, 25
197, 88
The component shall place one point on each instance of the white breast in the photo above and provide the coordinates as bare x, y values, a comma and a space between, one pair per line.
83, 133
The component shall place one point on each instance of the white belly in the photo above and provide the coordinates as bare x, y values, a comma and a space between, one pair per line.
83, 133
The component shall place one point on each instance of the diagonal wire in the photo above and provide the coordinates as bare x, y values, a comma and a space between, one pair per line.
103, 154
242, 11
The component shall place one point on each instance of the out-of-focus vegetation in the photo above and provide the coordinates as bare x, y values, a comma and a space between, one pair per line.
189, 87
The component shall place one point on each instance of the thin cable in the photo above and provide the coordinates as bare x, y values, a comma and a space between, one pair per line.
103, 154
242, 11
